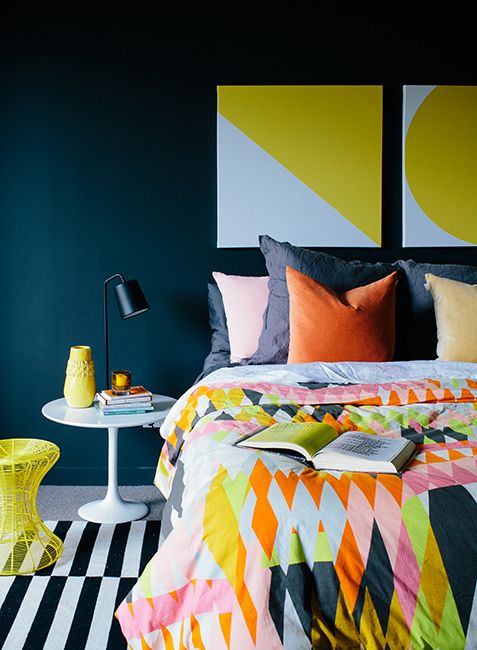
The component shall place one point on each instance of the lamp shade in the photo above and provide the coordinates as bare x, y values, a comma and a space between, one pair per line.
130, 299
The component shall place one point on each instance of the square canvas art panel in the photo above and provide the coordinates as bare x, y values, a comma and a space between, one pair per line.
440, 166
299, 163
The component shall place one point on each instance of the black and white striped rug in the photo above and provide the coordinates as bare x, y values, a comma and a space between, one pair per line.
71, 604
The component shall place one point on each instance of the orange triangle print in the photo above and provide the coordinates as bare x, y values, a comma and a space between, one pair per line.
182, 645
367, 485
341, 486
195, 633
393, 485
287, 485
449, 396
430, 397
455, 455
347, 424
375, 400
225, 621
433, 458
333, 422
467, 395
168, 640
349, 566
394, 399
313, 481
144, 644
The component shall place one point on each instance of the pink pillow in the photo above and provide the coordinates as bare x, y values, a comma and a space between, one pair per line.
245, 299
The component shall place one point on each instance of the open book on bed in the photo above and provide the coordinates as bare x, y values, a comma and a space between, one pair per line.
320, 445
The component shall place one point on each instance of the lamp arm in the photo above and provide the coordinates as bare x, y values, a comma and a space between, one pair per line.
116, 275
105, 312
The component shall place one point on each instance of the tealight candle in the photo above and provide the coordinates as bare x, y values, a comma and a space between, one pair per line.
121, 381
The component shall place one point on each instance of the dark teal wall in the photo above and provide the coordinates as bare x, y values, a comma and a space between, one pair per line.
108, 164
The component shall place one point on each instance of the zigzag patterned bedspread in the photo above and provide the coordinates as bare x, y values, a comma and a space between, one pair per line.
260, 551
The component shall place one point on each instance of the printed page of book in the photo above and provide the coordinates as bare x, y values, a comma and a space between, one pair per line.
359, 445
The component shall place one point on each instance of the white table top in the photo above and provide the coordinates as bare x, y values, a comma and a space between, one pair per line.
60, 412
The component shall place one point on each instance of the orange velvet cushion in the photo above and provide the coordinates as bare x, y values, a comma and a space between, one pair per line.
357, 325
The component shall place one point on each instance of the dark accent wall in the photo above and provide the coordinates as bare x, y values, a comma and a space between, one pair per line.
108, 164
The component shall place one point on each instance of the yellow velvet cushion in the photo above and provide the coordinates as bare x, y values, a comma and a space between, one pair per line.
455, 305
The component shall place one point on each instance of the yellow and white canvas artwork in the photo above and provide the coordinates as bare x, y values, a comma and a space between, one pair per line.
299, 163
440, 166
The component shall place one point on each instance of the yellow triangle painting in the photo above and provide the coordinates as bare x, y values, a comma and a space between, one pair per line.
328, 137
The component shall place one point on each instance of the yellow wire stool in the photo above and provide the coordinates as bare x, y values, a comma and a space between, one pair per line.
26, 544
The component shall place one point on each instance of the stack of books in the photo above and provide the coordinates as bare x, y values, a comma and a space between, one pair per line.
137, 400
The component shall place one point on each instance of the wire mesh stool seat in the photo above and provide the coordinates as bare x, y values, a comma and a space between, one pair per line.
26, 544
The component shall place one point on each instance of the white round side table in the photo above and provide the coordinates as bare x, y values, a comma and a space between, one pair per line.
113, 509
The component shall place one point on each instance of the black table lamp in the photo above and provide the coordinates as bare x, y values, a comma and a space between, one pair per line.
131, 302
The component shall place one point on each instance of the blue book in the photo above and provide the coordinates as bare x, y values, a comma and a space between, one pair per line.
131, 410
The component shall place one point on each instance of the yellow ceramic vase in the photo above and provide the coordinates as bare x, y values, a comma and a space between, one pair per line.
80, 385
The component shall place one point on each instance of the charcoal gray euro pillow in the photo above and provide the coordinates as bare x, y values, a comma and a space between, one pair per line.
217, 320
337, 274
420, 324
219, 355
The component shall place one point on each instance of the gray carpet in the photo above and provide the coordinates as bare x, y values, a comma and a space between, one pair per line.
61, 503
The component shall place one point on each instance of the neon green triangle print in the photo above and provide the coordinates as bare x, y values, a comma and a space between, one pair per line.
329, 137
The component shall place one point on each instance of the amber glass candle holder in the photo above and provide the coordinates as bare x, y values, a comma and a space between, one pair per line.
121, 382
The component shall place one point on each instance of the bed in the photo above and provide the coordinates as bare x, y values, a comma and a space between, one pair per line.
260, 551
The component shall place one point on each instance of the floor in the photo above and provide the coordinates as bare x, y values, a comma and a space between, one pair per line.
60, 502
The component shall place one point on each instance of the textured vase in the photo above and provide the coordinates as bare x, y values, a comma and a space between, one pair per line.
80, 384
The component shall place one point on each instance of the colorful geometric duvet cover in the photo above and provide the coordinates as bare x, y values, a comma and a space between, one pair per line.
260, 551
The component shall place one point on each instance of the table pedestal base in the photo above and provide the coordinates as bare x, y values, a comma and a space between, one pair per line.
113, 511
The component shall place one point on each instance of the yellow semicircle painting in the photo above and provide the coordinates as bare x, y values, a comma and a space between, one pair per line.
441, 165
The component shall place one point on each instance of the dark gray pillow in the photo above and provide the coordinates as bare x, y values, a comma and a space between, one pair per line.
217, 320
327, 269
219, 355
420, 324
